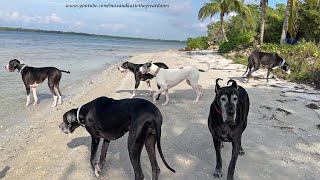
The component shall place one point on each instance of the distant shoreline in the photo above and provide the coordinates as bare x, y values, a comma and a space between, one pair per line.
82, 34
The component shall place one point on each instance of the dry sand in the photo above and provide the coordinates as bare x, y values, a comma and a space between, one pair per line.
281, 140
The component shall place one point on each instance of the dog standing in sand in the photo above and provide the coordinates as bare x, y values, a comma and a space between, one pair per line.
110, 119
168, 78
32, 77
227, 121
268, 60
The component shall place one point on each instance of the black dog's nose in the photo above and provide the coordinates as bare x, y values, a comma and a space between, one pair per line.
230, 113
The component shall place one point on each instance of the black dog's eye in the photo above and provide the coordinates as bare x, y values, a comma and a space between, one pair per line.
223, 99
235, 99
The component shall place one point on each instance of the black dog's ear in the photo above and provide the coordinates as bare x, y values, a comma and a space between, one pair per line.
148, 64
72, 116
234, 83
14, 63
217, 85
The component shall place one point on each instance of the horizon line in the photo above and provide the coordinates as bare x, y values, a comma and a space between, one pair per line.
83, 34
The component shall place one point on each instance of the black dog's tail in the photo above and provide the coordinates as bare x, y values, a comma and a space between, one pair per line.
246, 71
158, 134
248, 68
206, 69
64, 71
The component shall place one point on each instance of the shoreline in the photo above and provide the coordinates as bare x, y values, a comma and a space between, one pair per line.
30, 129
48, 152
84, 34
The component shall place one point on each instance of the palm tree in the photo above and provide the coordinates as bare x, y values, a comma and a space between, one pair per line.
291, 15
263, 5
286, 21
224, 7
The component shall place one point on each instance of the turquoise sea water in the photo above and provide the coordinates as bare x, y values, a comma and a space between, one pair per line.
83, 56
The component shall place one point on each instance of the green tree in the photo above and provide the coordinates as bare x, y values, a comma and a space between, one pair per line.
274, 22
214, 32
224, 7
237, 25
292, 15
309, 22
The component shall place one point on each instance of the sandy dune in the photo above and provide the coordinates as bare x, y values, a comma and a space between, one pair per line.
281, 140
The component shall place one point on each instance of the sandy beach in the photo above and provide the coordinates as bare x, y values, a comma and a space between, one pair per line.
281, 140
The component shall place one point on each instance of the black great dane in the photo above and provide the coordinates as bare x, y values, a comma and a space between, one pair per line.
110, 119
32, 77
268, 60
227, 121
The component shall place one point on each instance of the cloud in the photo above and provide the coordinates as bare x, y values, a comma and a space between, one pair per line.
251, 1
113, 26
18, 17
78, 24
200, 26
178, 8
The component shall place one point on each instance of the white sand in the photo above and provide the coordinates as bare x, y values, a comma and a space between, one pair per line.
277, 146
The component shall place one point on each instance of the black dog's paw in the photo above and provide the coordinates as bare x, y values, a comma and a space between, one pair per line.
97, 170
241, 152
217, 173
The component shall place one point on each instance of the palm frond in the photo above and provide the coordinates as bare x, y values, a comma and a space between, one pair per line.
242, 10
209, 9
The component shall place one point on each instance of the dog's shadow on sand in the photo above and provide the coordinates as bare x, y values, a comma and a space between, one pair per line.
140, 93
118, 146
4, 171
253, 78
80, 141
47, 96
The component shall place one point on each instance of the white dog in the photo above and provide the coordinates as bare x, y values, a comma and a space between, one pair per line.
168, 78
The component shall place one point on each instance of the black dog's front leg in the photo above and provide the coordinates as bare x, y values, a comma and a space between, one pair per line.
159, 93
235, 153
28, 95
218, 171
268, 72
135, 88
104, 149
94, 147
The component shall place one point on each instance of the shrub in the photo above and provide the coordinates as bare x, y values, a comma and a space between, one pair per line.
199, 42
303, 59
237, 41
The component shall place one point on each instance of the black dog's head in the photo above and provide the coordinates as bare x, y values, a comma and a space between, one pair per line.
284, 65
13, 65
227, 100
69, 123
124, 67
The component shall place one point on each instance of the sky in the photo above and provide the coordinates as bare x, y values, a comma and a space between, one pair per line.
178, 21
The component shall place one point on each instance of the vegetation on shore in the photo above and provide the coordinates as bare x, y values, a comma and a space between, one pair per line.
82, 34
291, 30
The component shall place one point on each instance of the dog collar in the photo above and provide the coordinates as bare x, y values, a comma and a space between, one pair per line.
218, 111
283, 62
78, 112
155, 74
22, 69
